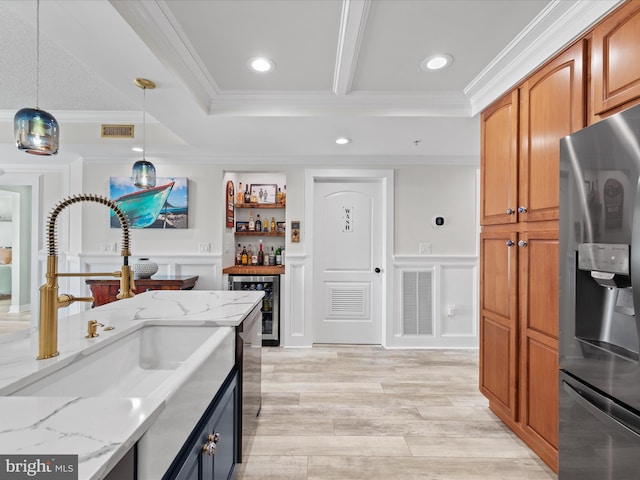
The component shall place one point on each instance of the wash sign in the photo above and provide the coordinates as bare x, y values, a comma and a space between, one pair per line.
49, 467
347, 219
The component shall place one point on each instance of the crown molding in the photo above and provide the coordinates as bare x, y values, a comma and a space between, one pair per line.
555, 27
409, 104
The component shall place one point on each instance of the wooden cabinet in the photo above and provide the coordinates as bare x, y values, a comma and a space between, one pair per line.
105, 290
499, 157
519, 247
538, 334
551, 107
499, 320
614, 67
519, 334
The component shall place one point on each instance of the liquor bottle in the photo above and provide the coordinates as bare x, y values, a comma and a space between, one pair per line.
249, 254
265, 226
258, 225
252, 223
260, 255
273, 224
247, 195
279, 256
239, 195
279, 196
284, 196
245, 258
272, 257
239, 255
254, 258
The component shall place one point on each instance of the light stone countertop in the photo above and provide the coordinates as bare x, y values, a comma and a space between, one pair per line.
100, 429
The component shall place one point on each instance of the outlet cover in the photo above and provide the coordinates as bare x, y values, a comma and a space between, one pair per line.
108, 247
204, 247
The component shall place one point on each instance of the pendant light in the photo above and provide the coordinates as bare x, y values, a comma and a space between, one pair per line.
144, 173
36, 131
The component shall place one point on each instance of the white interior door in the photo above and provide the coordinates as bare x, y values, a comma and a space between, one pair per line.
348, 257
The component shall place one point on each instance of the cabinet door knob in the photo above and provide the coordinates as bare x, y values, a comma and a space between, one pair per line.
522, 243
522, 209
510, 211
210, 447
509, 243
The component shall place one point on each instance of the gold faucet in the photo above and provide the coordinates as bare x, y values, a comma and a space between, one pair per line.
50, 301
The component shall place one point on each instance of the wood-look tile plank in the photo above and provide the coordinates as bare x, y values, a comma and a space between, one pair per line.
363, 446
421, 468
464, 446
362, 412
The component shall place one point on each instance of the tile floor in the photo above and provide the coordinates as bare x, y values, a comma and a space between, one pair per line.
362, 412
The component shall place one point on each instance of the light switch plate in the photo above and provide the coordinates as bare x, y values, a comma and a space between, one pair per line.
425, 248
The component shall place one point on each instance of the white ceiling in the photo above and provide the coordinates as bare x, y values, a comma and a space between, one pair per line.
343, 67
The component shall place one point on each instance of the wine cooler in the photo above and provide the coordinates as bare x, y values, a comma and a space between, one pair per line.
270, 303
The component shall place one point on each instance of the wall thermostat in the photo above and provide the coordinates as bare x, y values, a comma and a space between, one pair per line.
437, 222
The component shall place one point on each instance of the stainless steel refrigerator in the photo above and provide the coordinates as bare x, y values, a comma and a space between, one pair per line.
270, 303
599, 294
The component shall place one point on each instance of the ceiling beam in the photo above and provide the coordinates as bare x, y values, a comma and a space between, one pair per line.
352, 27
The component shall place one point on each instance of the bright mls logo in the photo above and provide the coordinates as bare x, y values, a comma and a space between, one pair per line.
50, 467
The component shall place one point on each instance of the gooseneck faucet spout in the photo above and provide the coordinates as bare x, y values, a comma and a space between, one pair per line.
50, 301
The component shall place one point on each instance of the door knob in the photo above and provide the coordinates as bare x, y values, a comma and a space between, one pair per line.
377, 270
522, 209
509, 243
522, 243
510, 211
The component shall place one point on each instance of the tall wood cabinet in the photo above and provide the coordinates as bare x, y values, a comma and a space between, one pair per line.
519, 247
615, 70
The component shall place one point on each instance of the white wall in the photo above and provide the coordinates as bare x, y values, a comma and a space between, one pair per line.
424, 192
421, 191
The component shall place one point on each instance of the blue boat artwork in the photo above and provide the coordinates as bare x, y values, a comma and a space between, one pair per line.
163, 206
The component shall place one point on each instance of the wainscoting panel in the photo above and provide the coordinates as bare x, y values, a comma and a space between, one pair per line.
208, 268
435, 302
293, 325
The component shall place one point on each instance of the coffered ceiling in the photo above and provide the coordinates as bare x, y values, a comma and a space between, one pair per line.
342, 68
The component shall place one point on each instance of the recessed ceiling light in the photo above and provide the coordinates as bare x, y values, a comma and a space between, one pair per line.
261, 64
436, 62
343, 140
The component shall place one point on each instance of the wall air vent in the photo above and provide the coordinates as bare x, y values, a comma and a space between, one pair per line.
417, 303
116, 131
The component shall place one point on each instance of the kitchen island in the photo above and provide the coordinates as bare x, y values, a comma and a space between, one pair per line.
103, 429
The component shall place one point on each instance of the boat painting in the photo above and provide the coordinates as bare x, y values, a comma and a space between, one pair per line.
163, 206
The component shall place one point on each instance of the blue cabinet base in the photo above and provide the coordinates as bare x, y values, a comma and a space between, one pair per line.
218, 430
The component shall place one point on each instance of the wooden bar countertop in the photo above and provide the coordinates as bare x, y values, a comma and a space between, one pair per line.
255, 270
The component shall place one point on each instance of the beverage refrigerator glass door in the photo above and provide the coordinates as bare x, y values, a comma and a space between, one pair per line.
599, 294
270, 285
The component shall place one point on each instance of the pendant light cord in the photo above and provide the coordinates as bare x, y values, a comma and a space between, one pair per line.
144, 122
37, 54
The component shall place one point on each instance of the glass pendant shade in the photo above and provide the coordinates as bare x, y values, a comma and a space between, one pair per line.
36, 131
144, 174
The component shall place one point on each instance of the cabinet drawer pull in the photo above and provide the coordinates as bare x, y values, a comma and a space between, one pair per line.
210, 447
522, 243
522, 209
510, 243
510, 211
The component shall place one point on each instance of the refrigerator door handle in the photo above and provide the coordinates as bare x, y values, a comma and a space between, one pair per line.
604, 409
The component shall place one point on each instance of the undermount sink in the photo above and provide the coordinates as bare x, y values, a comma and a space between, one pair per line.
134, 365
